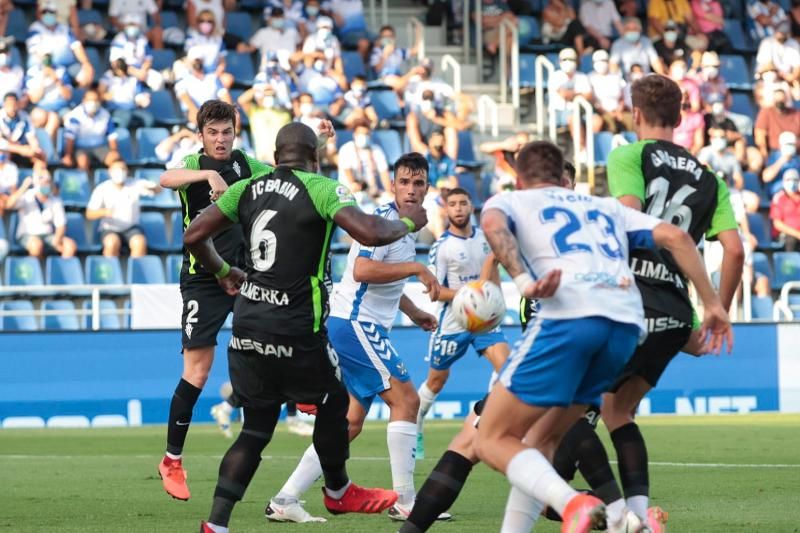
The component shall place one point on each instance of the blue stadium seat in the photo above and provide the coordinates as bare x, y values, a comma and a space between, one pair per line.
169, 19
466, 150
761, 307
154, 229
343, 137
65, 271
163, 58
787, 268
529, 31
146, 141
100, 270
527, 71
586, 65
124, 144
17, 25
149, 174
90, 16
164, 109
22, 272
743, 104
174, 264
98, 60
602, 147
761, 228
241, 66
240, 24
109, 317
176, 235
15, 247
353, 64
100, 175
65, 320
338, 266
735, 71
469, 181
737, 36
77, 96
762, 265
73, 185
22, 322
390, 143
753, 183
46, 143
147, 269
386, 105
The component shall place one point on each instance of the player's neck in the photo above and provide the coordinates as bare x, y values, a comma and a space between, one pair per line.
655, 133
464, 232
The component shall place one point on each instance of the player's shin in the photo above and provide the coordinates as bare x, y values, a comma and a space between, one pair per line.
632, 456
530, 472
180, 416
521, 513
401, 437
331, 441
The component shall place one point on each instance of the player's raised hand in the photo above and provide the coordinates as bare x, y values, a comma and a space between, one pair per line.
325, 131
432, 286
231, 283
545, 287
716, 329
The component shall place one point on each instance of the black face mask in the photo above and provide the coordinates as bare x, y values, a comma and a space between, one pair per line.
780, 106
197, 64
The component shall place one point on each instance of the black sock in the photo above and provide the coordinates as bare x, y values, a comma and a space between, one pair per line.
331, 440
180, 415
632, 457
291, 408
439, 491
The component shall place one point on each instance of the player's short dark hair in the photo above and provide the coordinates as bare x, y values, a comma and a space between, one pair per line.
415, 162
659, 100
458, 190
215, 111
540, 161
10, 95
296, 141
569, 171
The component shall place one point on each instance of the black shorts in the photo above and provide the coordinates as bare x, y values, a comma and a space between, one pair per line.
125, 235
666, 335
205, 308
279, 368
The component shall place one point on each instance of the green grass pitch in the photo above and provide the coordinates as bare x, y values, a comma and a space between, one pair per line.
712, 474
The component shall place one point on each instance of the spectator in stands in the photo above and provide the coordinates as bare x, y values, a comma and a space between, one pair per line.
357, 105
182, 142
49, 39
307, 113
42, 221
717, 117
17, 136
632, 48
312, 13
766, 16
389, 61
430, 115
772, 121
363, 168
710, 17
267, 114
560, 25
711, 81
672, 45
122, 12
275, 36
608, 90
199, 86
89, 134
131, 45
504, 153
49, 89
785, 211
600, 18
351, 26
206, 43
322, 45
217, 7
786, 160
6, 7
324, 85
782, 51
116, 204
442, 178
767, 82
293, 12
67, 14
564, 85
12, 77
719, 155
690, 133
279, 80
9, 176
679, 72
680, 12
125, 96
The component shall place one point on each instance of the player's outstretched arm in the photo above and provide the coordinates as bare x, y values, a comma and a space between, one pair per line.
374, 230
178, 178
489, 270
197, 240
716, 323
732, 263
419, 317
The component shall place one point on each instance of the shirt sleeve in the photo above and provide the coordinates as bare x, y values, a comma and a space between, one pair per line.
257, 168
96, 199
437, 260
639, 227
228, 203
189, 162
500, 202
328, 196
59, 216
723, 218
625, 176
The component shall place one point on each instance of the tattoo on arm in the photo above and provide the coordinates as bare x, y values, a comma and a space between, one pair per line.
503, 243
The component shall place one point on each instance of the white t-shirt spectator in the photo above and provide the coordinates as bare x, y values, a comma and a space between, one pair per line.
608, 89
9, 177
392, 65
757, 9
282, 85
365, 163
599, 15
215, 6
52, 99
579, 83
324, 89
134, 52
138, 8
209, 47
12, 79
353, 101
293, 13
785, 56
124, 203
625, 54
36, 218
201, 90
58, 42
184, 147
442, 91
87, 131
724, 162
269, 39
329, 46
122, 89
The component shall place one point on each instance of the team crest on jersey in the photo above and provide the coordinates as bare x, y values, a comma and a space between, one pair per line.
188, 329
237, 168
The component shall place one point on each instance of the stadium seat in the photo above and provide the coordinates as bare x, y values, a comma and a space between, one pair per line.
152, 224
98, 60
735, 71
65, 320
787, 268
169, 19
90, 16
163, 58
65, 271
527, 71
240, 65
386, 105
761, 228
14, 245
22, 272
762, 265
145, 270
124, 144
146, 141
743, 104
73, 185
164, 109
149, 174
529, 31
100, 175
174, 264
735, 32
176, 235
101, 270
466, 151
17, 25
77, 96
753, 183
602, 147
390, 143
109, 317
353, 64
21, 322
343, 137
761, 308
240, 24
586, 65
338, 266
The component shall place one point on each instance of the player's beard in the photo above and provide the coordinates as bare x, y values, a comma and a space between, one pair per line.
457, 225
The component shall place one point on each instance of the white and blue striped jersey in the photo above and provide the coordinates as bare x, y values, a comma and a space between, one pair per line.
589, 239
374, 302
455, 261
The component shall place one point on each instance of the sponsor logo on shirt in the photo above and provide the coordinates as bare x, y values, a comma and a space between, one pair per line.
604, 280
250, 345
657, 271
663, 323
253, 292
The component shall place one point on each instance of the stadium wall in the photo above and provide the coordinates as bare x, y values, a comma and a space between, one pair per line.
86, 379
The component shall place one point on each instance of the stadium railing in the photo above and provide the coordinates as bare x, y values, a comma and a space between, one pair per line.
416, 30
505, 27
542, 64
487, 110
582, 104
788, 307
451, 63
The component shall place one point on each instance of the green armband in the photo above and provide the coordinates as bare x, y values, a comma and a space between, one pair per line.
695, 319
410, 223
224, 270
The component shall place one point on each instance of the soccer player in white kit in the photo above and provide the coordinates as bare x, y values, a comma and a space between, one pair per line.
590, 321
459, 256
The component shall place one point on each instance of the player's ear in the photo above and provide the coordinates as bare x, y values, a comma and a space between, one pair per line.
275, 157
678, 122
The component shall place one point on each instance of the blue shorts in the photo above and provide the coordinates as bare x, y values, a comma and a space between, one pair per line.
558, 363
444, 350
366, 357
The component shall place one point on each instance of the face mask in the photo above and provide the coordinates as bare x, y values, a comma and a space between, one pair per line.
670, 36
45, 190
92, 107
197, 64
426, 105
601, 67
791, 186
568, 66
387, 41
118, 175
711, 72
362, 141
719, 143
781, 106
312, 11
324, 33
132, 32
49, 19
770, 77
717, 109
359, 91
632, 36
205, 27
306, 109
268, 102
319, 65
788, 150
278, 24
636, 76
678, 73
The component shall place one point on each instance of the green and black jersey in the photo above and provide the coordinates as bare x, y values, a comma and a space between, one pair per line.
195, 198
287, 218
675, 187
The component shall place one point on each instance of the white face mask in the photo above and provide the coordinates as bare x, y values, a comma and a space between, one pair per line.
92, 107
718, 108
324, 33
569, 66
601, 67
118, 175
362, 141
719, 143
268, 102
788, 149
710, 72
306, 109
426, 105
678, 74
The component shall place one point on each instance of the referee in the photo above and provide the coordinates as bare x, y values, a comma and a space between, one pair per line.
279, 350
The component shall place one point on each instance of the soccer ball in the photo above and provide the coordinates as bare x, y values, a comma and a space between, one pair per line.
479, 306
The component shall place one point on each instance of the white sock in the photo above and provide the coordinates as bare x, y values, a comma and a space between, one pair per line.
530, 472
401, 437
173, 456
615, 511
426, 399
522, 512
493, 379
337, 494
216, 529
638, 504
307, 471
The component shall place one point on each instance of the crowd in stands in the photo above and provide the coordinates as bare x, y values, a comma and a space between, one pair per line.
98, 95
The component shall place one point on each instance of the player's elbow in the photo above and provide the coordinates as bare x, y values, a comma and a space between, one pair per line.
359, 271
192, 237
672, 237
733, 251
166, 181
